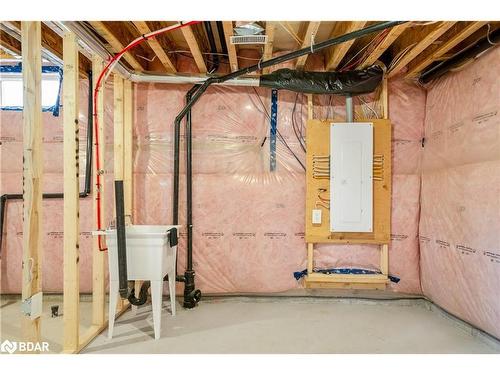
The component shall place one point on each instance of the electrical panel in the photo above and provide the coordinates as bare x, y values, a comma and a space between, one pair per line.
351, 185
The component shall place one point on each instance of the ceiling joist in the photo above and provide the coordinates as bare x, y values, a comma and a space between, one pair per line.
143, 28
427, 58
337, 53
115, 44
268, 48
308, 39
231, 48
420, 46
391, 36
194, 47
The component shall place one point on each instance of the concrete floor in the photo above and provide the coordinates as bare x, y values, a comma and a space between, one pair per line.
52, 328
296, 325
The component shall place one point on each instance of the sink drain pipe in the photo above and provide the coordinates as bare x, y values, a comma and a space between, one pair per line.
195, 94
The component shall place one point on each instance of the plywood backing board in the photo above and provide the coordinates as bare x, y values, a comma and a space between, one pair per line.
318, 136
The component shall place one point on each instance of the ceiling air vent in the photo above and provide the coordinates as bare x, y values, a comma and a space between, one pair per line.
249, 39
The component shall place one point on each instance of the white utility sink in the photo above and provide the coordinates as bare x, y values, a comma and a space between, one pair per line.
149, 257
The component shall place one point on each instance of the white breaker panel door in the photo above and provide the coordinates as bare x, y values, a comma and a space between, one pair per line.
351, 185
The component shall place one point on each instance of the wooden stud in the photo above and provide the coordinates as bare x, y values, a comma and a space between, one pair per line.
115, 44
384, 97
268, 48
310, 258
98, 257
194, 48
32, 172
393, 34
312, 29
143, 28
71, 317
384, 259
231, 48
128, 149
439, 30
424, 60
337, 53
310, 107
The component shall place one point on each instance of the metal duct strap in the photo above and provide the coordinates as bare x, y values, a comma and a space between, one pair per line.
351, 83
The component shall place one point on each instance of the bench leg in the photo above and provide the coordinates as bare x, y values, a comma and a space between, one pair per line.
156, 297
113, 300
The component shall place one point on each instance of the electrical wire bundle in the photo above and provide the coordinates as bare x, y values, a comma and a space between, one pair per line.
322, 202
321, 166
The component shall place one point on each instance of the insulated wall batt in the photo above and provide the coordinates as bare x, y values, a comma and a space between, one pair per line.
460, 218
11, 180
248, 221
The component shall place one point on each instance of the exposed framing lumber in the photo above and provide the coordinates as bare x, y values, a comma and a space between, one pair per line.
424, 60
71, 317
98, 257
51, 42
128, 149
337, 53
268, 48
392, 35
231, 48
436, 32
32, 172
312, 29
10, 43
194, 47
115, 44
143, 28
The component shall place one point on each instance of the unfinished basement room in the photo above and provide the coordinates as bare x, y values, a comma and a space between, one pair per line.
249, 178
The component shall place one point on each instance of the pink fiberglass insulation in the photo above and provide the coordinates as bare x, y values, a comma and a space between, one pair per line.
11, 134
459, 227
248, 221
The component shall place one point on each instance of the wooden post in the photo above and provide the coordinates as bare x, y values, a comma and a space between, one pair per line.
384, 250
385, 98
32, 171
128, 150
310, 107
98, 257
310, 253
71, 317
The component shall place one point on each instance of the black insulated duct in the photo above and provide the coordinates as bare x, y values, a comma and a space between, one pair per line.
351, 83
458, 59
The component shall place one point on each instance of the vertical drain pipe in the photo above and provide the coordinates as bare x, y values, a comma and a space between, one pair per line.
349, 109
191, 294
121, 240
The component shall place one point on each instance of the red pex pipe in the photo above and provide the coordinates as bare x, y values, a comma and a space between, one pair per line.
116, 58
